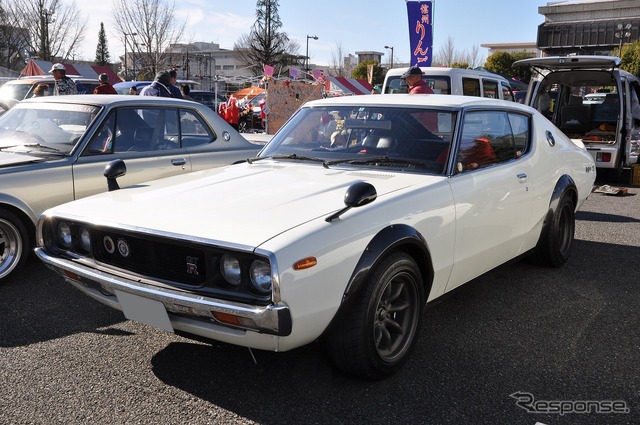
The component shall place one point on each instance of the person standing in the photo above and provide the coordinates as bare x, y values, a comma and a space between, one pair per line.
104, 87
186, 92
173, 86
414, 80
63, 85
232, 111
159, 87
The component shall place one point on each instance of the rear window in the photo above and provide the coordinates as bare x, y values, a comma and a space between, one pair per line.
439, 84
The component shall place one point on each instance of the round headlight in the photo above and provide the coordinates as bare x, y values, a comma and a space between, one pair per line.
64, 235
260, 273
85, 239
230, 269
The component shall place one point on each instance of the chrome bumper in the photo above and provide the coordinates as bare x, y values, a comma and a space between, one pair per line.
272, 319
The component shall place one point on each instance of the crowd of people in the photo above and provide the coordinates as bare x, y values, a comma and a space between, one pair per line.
165, 84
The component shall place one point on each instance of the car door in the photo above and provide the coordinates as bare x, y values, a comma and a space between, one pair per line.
146, 138
490, 186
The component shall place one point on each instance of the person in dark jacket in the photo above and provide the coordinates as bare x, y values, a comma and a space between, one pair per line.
159, 87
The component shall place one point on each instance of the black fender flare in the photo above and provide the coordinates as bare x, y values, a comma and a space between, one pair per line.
391, 238
564, 184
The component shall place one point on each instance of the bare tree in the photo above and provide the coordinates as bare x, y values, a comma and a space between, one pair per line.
55, 29
474, 58
337, 61
149, 27
447, 54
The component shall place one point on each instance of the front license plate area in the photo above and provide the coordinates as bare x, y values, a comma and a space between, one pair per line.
144, 310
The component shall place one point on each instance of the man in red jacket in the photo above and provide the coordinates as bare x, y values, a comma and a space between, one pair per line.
414, 80
104, 87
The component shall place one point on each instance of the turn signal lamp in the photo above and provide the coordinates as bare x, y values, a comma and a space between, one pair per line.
305, 263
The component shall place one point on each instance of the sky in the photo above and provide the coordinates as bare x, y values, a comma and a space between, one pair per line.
354, 25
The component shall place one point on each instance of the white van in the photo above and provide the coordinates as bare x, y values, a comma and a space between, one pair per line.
590, 99
468, 82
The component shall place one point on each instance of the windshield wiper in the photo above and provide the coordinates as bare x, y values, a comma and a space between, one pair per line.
290, 156
39, 146
375, 160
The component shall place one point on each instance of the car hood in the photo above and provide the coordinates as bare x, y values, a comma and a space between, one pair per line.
243, 204
8, 159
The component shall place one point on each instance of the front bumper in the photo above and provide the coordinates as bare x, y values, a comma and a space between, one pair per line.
189, 313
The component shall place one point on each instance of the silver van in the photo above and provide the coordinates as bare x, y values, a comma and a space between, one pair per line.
590, 99
459, 81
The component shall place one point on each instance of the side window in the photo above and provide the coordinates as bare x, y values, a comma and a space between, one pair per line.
491, 137
507, 94
471, 87
490, 88
102, 141
146, 129
193, 130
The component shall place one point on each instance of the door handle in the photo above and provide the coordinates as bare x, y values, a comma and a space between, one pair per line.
178, 162
522, 177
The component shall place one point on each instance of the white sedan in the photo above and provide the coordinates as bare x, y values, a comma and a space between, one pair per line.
357, 213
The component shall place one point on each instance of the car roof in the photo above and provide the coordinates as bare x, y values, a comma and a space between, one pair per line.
421, 100
446, 71
107, 99
48, 78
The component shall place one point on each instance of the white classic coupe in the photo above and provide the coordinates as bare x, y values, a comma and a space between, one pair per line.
357, 213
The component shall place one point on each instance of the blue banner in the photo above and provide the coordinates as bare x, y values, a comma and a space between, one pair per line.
420, 15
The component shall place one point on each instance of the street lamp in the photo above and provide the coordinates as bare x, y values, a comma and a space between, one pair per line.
622, 33
391, 60
308, 37
132, 34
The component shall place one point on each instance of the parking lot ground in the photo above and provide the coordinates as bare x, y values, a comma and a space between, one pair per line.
507, 348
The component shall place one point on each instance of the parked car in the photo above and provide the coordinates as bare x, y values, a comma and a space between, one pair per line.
467, 82
207, 98
605, 127
22, 88
342, 236
124, 86
54, 149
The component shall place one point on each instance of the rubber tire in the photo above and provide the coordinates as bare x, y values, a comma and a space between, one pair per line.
14, 244
554, 247
357, 345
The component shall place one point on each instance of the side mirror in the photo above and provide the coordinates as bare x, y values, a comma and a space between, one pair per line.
357, 195
112, 171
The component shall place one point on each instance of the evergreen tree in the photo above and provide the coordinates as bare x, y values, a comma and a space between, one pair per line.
266, 44
102, 51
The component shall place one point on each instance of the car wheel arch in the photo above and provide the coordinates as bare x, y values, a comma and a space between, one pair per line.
565, 184
390, 239
18, 223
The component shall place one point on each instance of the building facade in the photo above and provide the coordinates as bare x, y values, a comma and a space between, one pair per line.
588, 27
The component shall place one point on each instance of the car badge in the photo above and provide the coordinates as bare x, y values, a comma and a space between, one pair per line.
123, 248
108, 244
192, 266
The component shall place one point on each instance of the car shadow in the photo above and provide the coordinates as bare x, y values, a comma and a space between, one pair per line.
518, 328
38, 305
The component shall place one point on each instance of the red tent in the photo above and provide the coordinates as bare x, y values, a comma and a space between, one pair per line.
31, 69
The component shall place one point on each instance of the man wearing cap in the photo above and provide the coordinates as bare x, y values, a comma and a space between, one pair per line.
159, 87
414, 80
63, 84
104, 87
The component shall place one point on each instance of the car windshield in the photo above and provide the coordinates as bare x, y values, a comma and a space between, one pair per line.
14, 91
44, 128
410, 139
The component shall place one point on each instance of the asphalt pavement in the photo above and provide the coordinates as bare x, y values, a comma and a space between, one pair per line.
519, 345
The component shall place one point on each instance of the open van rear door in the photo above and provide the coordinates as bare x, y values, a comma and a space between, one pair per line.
554, 63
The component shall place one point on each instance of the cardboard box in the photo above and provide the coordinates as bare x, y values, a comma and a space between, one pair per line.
635, 175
